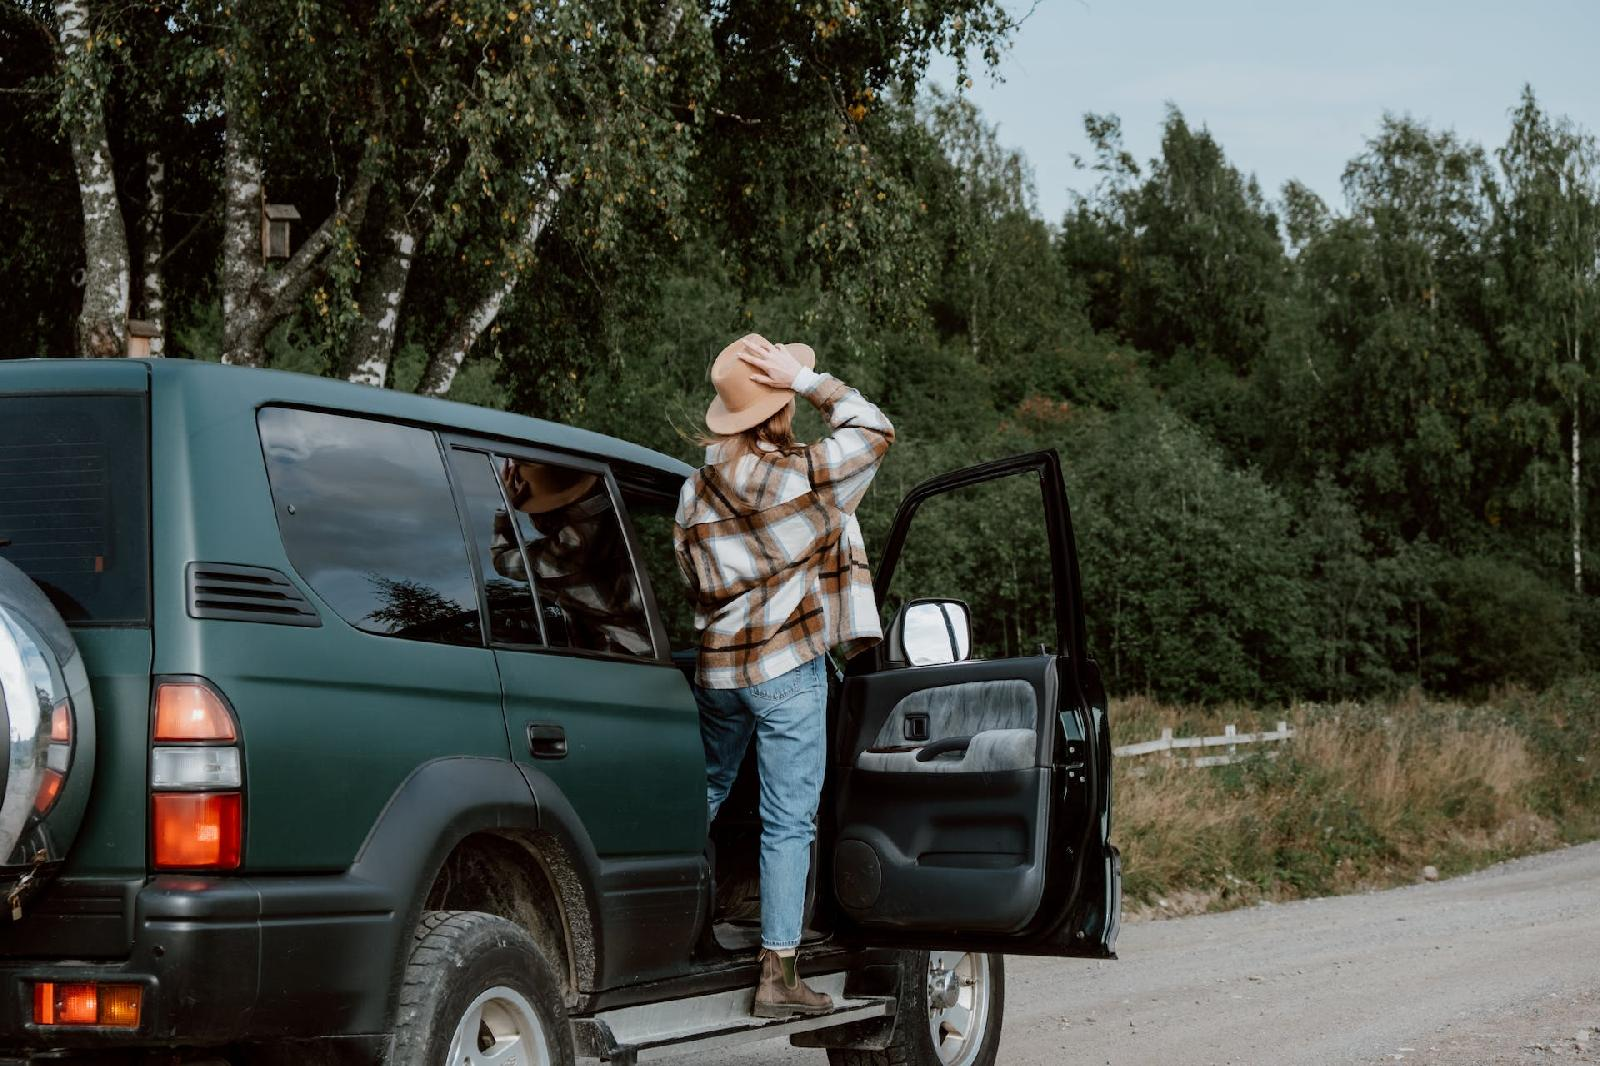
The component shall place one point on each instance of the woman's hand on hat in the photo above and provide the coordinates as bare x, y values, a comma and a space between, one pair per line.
770, 364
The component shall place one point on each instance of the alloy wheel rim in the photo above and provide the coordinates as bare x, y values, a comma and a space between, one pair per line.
499, 1028
958, 1005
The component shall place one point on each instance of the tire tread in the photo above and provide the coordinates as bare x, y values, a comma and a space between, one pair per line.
432, 946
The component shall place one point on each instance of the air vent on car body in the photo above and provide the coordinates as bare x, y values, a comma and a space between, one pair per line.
246, 594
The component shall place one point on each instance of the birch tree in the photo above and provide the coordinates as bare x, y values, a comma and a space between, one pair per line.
103, 318
152, 298
1548, 232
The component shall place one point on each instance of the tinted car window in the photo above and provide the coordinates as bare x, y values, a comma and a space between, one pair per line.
653, 524
513, 618
578, 557
368, 520
74, 488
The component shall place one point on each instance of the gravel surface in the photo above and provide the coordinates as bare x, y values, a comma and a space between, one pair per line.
1499, 966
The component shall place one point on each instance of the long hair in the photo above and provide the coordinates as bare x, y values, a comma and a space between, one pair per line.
775, 436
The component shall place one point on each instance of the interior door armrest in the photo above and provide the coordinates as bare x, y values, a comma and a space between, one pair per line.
943, 746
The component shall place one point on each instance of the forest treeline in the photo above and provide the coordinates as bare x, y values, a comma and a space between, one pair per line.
1313, 450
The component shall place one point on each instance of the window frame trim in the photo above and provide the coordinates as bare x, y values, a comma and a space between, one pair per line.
493, 447
1045, 464
459, 491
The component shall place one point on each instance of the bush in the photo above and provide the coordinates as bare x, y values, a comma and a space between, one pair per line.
1194, 584
1494, 622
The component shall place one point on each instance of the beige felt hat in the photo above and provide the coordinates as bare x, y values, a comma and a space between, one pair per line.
539, 488
741, 403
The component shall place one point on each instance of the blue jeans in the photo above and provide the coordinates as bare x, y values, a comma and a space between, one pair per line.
788, 716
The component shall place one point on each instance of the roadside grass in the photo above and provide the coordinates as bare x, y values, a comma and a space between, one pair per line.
1363, 796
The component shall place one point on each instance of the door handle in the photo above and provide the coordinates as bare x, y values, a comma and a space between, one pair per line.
547, 741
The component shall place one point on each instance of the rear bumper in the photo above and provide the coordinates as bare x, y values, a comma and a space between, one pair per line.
225, 960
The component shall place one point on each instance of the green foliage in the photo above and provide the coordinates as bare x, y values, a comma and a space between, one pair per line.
40, 228
1311, 450
1495, 623
1195, 578
1189, 260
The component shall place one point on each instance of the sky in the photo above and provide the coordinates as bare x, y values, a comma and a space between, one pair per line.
1290, 89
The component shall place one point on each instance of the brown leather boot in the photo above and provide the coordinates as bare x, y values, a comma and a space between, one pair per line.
781, 994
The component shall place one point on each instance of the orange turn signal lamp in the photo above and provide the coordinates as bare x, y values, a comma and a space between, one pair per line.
87, 1003
193, 712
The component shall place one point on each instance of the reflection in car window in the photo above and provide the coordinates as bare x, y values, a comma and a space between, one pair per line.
513, 618
578, 558
368, 520
1009, 590
653, 523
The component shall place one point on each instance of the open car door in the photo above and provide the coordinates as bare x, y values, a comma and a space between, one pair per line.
971, 756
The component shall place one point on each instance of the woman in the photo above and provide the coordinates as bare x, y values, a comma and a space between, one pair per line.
767, 536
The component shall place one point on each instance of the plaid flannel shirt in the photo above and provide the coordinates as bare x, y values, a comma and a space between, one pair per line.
772, 550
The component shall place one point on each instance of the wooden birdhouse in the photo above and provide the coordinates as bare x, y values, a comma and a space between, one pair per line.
275, 219
140, 334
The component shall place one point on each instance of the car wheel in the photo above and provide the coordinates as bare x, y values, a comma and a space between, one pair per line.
477, 991
949, 1013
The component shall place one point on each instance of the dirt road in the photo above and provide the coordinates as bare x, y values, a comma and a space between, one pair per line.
1501, 966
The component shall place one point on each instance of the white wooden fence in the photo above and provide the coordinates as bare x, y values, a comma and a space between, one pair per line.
1230, 740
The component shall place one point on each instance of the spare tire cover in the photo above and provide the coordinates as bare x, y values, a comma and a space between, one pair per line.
46, 782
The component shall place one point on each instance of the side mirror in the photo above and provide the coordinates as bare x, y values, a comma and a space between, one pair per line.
930, 633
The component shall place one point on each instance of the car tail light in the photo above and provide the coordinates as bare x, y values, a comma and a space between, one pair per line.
197, 830
188, 710
196, 779
194, 767
87, 1003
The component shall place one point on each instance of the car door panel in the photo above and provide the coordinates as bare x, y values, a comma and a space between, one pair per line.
931, 834
610, 733
970, 807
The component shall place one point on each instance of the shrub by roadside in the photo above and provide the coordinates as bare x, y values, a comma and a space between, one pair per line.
1364, 796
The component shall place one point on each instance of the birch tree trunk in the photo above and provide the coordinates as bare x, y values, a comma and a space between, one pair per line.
241, 245
383, 289
103, 319
445, 362
1577, 490
152, 304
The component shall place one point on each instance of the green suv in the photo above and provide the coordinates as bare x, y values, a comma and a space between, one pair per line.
324, 747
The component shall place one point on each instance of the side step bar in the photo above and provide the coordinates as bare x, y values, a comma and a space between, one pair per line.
650, 1031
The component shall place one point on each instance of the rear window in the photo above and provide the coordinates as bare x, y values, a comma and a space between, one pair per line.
74, 493
368, 520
